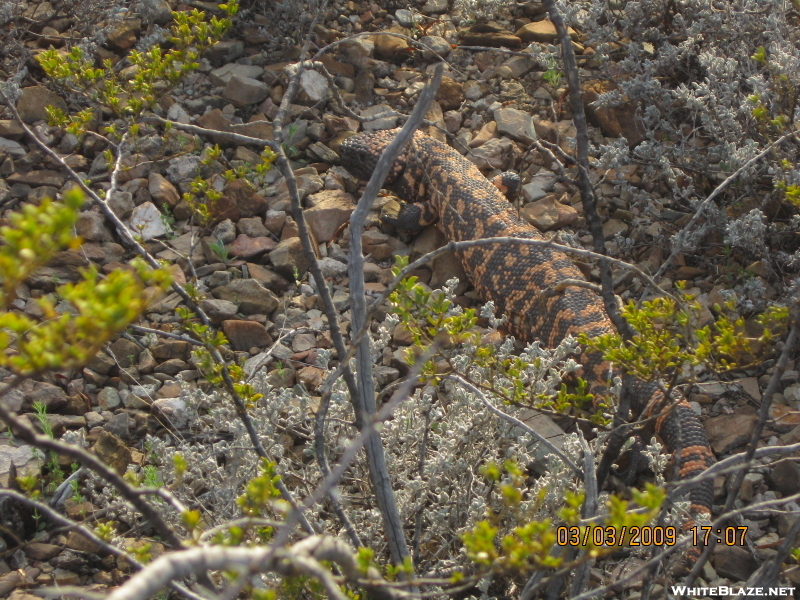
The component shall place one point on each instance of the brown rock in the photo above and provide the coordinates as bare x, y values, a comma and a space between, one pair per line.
75, 541
33, 102
53, 397
727, 432
543, 32
548, 213
251, 297
311, 377
238, 200
172, 349
331, 209
123, 36
41, 551
244, 335
489, 35
619, 121
11, 129
245, 90
391, 48
217, 310
289, 259
37, 178
450, 94
113, 452
245, 246
10, 581
785, 477
268, 278
162, 190
734, 562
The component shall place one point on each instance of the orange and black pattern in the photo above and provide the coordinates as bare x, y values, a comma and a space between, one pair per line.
442, 186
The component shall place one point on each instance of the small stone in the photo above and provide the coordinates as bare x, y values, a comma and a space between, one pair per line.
785, 477
177, 113
224, 52
614, 226
331, 209
314, 85
548, 213
113, 452
385, 122
25, 460
108, 398
728, 432
311, 377
147, 221
41, 551
332, 268
121, 203
734, 562
438, 46
244, 335
434, 7
252, 297
495, 154
493, 37
33, 102
303, 342
245, 246
252, 226
172, 349
543, 32
289, 259
516, 124
172, 411
245, 90
91, 227
123, 36
450, 94
539, 186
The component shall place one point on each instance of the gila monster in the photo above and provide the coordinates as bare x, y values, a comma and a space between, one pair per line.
442, 186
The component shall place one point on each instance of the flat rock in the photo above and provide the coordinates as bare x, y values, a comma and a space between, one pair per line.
113, 452
516, 124
91, 227
171, 411
147, 221
494, 37
220, 77
727, 432
542, 32
539, 186
218, 310
438, 46
549, 213
245, 90
313, 85
224, 52
245, 246
288, 258
38, 178
162, 191
268, 278
386, 122
331, 209
25, 458
495, 154
244, 335
252, 297
124, 35
33, 102
450, 94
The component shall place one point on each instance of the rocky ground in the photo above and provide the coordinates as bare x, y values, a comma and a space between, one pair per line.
493, 105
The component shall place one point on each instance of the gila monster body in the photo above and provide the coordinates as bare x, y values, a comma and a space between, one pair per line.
442, 186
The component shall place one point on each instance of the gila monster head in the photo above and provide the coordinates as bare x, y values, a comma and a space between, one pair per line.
360, 154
